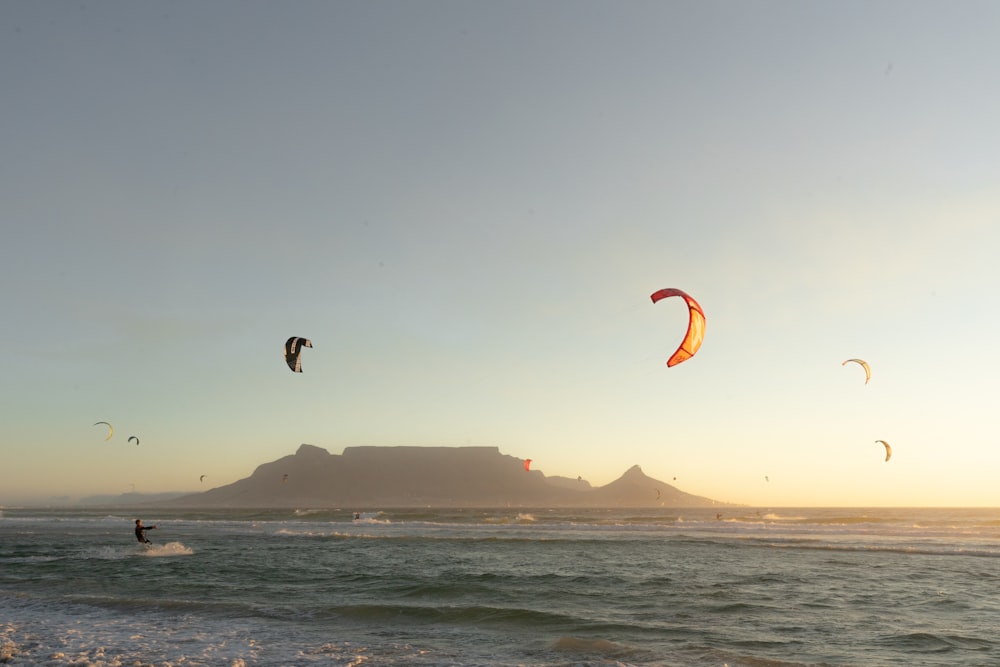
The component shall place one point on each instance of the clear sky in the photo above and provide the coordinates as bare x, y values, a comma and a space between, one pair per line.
466, 206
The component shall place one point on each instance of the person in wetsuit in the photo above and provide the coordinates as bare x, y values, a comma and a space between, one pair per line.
140, 531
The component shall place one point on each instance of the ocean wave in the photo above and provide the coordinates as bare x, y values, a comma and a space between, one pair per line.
22, 560
755, 661
930, 642
310, 512
915, 549
520, 517
476, 615
600, 647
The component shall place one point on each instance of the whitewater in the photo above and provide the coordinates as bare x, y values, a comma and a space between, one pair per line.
736, 587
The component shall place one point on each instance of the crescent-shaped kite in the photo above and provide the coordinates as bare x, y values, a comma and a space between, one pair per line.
111, 429
293, 346
131, 438
696, 325
888, 449
527, 464
864, 365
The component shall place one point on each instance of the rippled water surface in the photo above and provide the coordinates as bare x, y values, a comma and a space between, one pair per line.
502, 587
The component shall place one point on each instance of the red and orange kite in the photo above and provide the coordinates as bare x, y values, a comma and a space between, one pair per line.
696, 325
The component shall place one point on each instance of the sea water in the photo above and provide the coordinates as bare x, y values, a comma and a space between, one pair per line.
744, 588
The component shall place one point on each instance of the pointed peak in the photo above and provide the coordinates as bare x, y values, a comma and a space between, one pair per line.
634, 471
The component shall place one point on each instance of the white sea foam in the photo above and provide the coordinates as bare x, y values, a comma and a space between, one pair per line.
168, 549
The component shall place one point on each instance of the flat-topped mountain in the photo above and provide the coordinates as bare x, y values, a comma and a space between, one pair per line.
427, 476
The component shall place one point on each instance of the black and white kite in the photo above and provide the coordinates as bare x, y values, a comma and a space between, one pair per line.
293, 346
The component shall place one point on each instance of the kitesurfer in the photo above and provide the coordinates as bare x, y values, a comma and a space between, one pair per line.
140, 531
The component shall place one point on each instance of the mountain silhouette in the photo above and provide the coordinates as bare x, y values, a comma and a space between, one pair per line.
427, 477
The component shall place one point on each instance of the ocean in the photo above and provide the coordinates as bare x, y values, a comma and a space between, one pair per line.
670, 587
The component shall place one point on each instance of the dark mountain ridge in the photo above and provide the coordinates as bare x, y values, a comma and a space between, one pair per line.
427, 477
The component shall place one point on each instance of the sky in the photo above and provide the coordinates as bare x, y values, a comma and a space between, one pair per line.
466, 207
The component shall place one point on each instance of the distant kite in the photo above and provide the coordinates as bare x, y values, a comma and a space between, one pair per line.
131, 438
696, 325
201, 479
863, 364
527, 464
111, 429
888, 449
284, 478
293, 346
